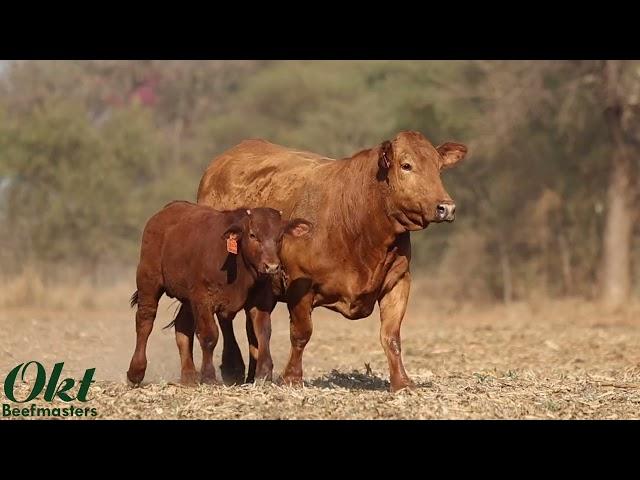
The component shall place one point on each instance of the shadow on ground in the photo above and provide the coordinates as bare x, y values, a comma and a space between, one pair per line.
353, 380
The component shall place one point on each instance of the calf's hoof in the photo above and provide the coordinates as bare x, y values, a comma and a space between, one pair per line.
189, 378
131, 384
209, 379
264, 375
263, 379
134, 377
232, 376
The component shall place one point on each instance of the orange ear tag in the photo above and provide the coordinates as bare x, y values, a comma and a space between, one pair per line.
232, 245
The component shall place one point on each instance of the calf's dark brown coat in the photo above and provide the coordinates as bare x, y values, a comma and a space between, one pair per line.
185, 255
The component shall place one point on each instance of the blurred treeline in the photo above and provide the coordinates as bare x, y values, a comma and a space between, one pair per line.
547, 200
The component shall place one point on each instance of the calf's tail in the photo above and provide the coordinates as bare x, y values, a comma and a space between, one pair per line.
134, 299
175, 315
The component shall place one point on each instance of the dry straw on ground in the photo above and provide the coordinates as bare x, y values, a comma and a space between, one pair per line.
561, 360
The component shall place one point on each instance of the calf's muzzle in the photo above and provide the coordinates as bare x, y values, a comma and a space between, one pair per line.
271, 268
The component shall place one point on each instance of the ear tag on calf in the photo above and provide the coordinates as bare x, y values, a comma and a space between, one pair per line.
232, 245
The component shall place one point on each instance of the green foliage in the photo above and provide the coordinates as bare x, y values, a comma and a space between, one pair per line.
80, 192
88, 163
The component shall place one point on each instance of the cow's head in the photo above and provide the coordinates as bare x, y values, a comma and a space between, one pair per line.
260, 235
411, 166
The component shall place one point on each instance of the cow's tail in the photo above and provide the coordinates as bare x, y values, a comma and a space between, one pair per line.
134, 299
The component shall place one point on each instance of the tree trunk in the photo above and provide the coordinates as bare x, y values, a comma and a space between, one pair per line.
616, 266
505, 266
565, 261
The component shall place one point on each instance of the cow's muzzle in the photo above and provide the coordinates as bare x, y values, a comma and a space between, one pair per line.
446, 212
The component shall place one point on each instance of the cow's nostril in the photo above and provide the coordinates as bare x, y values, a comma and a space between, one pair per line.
441, 210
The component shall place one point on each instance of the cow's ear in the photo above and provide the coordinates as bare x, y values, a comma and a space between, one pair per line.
234, 232
385, 156
298, 227
451, 154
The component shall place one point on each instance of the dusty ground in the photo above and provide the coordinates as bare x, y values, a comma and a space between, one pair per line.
564, 360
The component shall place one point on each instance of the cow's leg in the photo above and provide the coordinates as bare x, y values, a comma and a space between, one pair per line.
185, 327
300, 329
148, 298
392, 309
232, 367
207, 332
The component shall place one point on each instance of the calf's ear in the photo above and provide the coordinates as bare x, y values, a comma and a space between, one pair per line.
385, 156
298, 227
451, 154
234, 232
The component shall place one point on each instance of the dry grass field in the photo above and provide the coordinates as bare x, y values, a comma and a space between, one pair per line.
560, 360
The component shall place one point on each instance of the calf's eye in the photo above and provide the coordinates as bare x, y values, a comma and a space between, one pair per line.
406, 167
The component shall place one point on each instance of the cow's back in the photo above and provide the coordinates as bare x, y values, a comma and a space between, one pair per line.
257, 173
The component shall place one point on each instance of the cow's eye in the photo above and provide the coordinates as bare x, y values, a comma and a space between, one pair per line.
252, 236
406, 167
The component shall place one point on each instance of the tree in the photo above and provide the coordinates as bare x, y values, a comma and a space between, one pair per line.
622, 190
89, 149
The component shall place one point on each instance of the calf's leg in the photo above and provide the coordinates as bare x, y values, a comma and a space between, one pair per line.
232, 367
207, 332
260, 353
253, 347
185, 328
148, 298
259, 332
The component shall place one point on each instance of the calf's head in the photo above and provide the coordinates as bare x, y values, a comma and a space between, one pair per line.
259, 236
411, 166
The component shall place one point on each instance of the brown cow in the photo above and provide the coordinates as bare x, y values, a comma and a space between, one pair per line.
363, 208
208, 260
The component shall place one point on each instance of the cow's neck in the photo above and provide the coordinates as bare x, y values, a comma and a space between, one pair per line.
361, 204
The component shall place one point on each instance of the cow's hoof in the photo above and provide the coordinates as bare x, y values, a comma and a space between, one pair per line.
404, 384
291, 381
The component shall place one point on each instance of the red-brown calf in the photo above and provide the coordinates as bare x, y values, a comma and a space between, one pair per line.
209, 260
